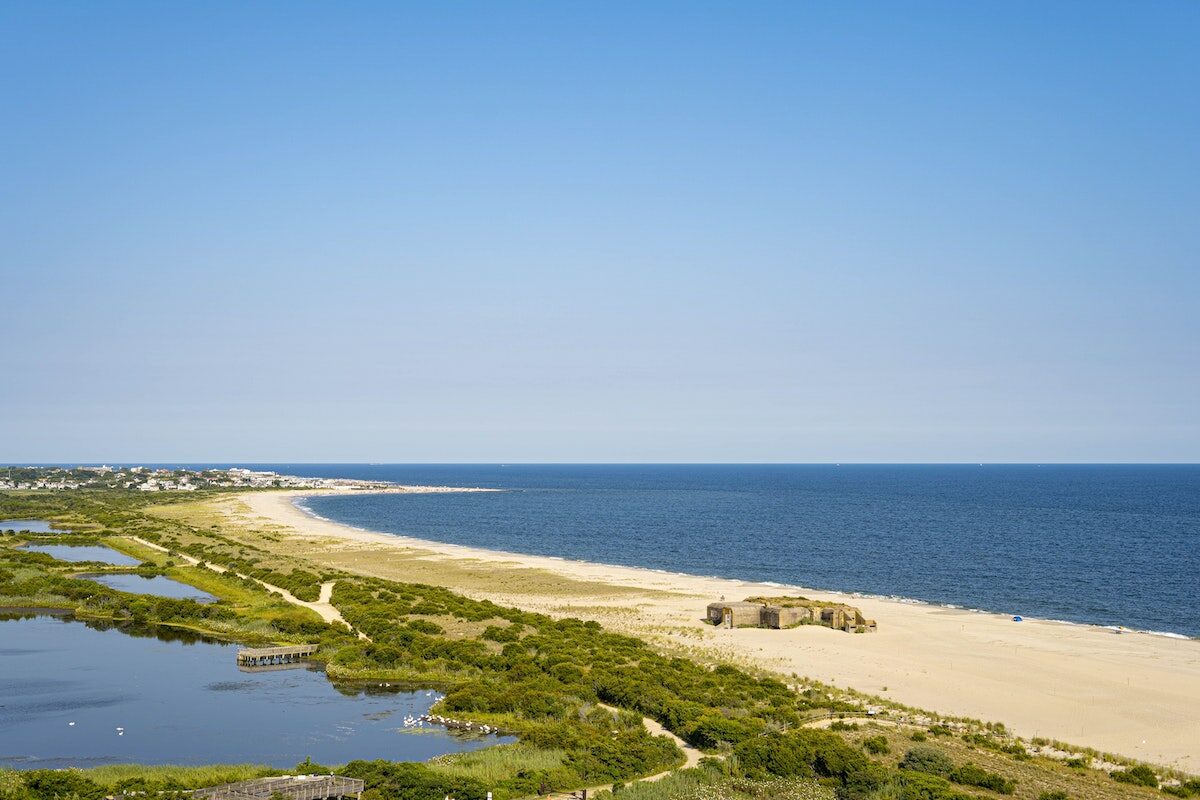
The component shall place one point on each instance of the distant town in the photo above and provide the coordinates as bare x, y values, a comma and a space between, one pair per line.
147, 479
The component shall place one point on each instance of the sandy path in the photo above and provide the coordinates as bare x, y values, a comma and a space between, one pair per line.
322, 606
691, 755
1134, 694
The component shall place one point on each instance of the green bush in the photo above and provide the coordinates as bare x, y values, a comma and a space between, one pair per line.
1141, 775
387, 780
972, 775
876, 745
1057, 794
929, 760
425, 626
713, 729
52, 784
923, 786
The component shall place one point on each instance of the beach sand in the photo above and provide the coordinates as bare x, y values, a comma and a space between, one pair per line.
1133, 694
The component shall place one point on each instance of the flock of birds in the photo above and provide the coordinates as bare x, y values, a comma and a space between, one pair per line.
411, 722
120, 730
447, 722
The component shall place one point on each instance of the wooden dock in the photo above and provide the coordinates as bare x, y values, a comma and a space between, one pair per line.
289, 787
270, 656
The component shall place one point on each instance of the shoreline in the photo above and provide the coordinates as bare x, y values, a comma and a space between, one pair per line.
1135, 694
298, 499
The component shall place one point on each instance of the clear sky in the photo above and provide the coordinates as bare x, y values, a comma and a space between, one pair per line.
606, 231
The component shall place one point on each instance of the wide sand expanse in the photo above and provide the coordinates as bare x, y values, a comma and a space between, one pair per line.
1133, 694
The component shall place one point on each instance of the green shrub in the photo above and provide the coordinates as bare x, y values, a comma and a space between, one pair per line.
713, 729
52, 784
918, 736
387, 780
972, 775
923, 786
1141, 775
802, 753
1057, 794
425, 626
509, 633
876, 745
929, 760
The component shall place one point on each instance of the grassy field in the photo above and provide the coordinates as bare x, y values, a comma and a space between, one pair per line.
207, 775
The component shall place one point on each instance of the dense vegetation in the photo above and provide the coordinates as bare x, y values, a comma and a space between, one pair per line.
573, 692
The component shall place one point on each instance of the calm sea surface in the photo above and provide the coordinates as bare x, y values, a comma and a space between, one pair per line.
1110, 545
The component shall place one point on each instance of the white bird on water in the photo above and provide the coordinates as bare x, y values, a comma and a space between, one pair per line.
72, 724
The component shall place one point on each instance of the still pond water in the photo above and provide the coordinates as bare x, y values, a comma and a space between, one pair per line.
82, 552
153, 700
31, 525
156, 585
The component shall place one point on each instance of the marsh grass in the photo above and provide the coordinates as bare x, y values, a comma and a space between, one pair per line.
494, 764
188, 777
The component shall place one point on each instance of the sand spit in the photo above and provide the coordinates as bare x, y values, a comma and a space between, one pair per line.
1133, 694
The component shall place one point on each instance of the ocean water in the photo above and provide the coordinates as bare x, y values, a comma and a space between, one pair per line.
1099, 544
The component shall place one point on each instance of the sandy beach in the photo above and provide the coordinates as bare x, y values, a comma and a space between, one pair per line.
1133, 694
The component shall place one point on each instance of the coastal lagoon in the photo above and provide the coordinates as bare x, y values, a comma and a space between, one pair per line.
79, 553
161, 700
156, 585
31, 525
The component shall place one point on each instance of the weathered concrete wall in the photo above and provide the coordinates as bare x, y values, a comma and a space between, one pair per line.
737, 614
788, 612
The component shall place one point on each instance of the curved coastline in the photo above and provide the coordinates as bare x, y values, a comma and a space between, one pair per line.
1133, 694
298, 502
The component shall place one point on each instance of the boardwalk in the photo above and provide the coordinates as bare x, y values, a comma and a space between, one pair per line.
289, 787
266, 656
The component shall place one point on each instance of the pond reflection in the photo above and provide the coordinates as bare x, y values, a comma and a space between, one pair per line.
74, 694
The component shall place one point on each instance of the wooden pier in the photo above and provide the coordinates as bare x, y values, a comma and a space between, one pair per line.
289, 787
270, 656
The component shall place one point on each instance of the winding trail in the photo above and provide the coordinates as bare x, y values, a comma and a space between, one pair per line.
691, 755
322, 606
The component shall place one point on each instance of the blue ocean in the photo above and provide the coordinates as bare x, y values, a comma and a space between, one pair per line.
1106, 545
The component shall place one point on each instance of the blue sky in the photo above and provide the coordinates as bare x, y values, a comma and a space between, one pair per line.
600, 231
